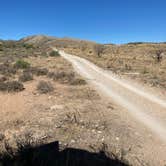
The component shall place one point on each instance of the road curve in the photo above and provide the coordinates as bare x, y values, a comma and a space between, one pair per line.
144, 107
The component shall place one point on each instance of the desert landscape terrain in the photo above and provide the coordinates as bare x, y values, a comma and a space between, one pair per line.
49, 92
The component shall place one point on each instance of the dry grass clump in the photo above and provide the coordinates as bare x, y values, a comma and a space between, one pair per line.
45, 87
66, 77
26, 76
51, 75
41, 71
11, 86
3, 78
31, 70
62, 76
7, 69
78, 81
37, 71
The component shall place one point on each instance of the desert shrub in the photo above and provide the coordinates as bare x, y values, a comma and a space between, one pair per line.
62, 76
158, 55
99, 49
31, 70
3, 79
11, 86
51, 75
54, 53
28, 46
45, 87
127, 67
66, 77
144, 70
26, 76
41, 71
7, 69
9, 59
2, 137
21, 64
78, 81
135, 43
37, 71
43, 54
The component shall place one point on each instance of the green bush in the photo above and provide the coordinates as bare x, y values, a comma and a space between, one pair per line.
21, 64
54, 53
28, 46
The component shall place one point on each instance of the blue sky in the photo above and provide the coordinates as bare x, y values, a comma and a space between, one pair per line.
104, 21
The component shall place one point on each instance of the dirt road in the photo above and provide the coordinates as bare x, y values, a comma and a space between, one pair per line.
147, 110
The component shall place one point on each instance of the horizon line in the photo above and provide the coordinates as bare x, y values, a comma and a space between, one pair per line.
88, 40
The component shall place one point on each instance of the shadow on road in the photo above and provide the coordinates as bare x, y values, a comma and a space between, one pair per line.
50, 155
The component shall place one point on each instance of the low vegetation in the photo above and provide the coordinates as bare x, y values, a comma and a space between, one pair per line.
28, 46
11, 86
78, 81
45, 87
99, 49
129, 60
21, 64
54, 54
26, 76
66, 77
3, 78
41, 71
7, 69
17, 69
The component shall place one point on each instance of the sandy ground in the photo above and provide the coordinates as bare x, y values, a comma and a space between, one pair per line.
139, 109
79, 117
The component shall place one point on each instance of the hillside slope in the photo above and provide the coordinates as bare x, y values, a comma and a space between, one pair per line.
134, 60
